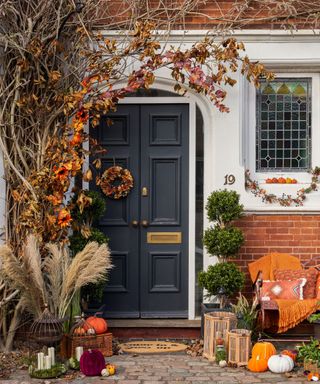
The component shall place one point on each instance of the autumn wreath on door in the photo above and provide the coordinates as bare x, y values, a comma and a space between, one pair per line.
116, 182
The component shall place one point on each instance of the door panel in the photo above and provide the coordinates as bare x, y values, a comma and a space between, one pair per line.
121, 294
150, 275
165, 170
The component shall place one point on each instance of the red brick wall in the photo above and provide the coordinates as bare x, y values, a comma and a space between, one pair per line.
296, 234
209, 14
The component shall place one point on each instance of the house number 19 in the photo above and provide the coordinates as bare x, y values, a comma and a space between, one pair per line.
229, 179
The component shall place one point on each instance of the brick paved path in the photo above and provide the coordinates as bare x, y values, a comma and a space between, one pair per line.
177, 368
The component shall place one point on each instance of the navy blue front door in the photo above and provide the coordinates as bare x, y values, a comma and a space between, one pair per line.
148, 230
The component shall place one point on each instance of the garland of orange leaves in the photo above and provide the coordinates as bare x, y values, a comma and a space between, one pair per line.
285, 200
116, 182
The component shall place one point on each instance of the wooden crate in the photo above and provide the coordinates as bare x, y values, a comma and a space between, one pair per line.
239, 346
102, 342
216, 322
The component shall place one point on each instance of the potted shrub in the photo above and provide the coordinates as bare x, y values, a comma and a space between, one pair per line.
223, 240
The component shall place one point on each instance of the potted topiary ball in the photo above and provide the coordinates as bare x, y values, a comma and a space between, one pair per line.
223, 240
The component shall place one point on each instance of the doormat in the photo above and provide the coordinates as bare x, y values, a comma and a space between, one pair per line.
152, 347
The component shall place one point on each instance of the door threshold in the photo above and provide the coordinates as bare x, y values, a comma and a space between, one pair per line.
153, 323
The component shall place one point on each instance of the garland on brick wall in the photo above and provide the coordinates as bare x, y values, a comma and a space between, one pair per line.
285, 200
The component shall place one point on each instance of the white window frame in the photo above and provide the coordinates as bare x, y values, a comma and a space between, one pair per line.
302, 177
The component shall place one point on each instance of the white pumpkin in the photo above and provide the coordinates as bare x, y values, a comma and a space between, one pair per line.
280, 364
105, 372
223, 363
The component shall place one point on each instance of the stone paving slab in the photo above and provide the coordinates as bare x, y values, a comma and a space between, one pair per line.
166, 368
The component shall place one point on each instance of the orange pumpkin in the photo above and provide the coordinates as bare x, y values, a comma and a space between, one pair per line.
264, 350
256, 364
313, 376
98, 324
289, 353
79, 331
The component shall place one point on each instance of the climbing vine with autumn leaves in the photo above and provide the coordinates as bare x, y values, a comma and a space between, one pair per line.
206, 68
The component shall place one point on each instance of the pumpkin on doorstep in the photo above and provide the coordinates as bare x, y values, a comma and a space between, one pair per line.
257, 364
280, 364
92, 362
263, 349
98, 324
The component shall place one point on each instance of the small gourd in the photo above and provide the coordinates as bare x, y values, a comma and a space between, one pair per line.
313, 376
280, 364
105, 372
257, 364
223, 363
91, 331
79, 331
111, 369
92, 363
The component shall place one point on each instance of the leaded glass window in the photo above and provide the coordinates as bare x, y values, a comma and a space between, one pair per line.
283, 138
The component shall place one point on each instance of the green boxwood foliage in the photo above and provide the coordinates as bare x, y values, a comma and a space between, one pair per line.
78, 242
225, 276
223, 242
92, 213
223, 206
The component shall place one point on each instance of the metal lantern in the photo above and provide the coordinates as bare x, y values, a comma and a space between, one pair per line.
81, 328
47, 329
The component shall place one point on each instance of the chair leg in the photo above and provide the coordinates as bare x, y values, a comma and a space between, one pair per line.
262, 319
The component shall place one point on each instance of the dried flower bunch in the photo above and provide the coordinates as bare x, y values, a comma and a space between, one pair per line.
56, 278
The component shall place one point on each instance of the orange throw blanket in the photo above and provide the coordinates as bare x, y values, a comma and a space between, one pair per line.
267, 264
291, 312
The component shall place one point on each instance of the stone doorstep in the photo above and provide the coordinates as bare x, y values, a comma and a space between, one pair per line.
153, 323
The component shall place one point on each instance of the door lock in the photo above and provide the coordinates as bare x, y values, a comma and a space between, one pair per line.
144, 191
135, 223
144, 223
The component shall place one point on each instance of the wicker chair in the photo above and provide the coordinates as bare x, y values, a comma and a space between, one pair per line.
271, 305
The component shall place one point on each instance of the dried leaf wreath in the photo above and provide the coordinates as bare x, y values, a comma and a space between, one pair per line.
285, 200
116, 182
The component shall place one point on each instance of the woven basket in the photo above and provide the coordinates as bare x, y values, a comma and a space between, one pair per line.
216, 322
102, 342
310, 365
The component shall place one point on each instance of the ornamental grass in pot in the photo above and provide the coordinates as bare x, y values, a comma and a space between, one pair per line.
223, 240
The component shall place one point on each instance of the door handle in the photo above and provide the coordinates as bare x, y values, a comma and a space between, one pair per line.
134, 223
144, 223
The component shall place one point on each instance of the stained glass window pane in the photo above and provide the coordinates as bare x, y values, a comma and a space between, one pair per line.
283, 139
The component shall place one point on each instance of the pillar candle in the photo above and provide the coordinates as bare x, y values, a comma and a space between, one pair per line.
79, 352
40, 360
51, 353
47, 360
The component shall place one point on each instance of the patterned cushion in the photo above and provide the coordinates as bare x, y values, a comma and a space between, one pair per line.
288, 290
311, 274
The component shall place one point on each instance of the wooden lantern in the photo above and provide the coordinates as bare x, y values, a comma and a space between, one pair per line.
239, 346
215, 323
